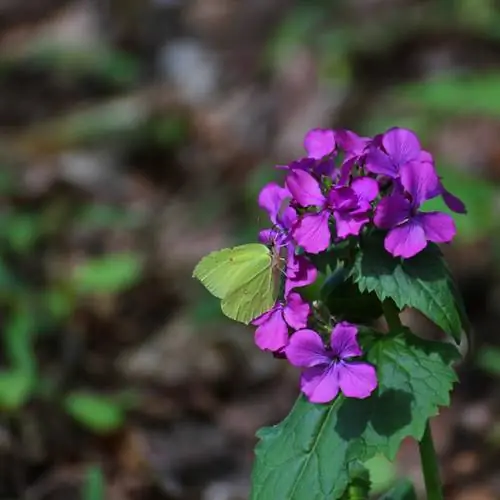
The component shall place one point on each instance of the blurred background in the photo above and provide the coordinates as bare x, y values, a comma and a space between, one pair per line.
135, 136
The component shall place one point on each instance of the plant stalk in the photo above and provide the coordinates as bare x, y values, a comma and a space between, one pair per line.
428, 458
430, 469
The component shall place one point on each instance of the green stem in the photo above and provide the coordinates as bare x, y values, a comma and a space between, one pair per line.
430, 467
428, 456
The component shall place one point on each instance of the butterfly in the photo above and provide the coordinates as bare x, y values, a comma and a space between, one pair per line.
246, 278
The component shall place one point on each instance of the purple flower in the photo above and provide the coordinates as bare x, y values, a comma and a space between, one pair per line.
272, 331
349, 205
354, 205
274, 199
352, 144
329, 369
320, 148
394, 149
300, 271
410, 229
452, 202
319, 143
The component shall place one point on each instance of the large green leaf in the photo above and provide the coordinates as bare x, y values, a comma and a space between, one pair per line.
309, 455
423, 282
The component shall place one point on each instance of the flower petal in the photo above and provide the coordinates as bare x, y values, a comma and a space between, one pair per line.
312, 232
304, 188
306, 349
439, 227
401, 145
365, 187
272, 198
420, 180
272, 334
320, 384
350, 142
357, 379
347, 224
296, 311
319, 143
391, 211
343, 341
406, 240
454, 203
377, 162
300, 271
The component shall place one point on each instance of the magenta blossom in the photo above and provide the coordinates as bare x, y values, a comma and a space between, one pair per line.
300, 271
392, 150
328, 370
272, 331
320, 148
410, 229
349, 205
319, 143
451, 201
274, 199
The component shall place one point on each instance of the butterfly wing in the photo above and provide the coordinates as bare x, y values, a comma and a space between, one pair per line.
256, 295
223, 270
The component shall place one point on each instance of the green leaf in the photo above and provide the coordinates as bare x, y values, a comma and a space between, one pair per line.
18, 339
22, 231
383, 473
457, 94
15, 389
402, 490
311, 453
345, 301
488, 359
94, 485
111, 273
423, 282
98, 413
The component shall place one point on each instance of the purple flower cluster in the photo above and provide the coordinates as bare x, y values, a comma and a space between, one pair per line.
344, 184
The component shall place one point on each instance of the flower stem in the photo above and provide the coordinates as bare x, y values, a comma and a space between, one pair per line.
428, 456
430, 467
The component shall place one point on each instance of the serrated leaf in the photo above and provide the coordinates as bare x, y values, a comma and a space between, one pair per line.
423, 282
97, 413
111, 273
402, 490
309, 455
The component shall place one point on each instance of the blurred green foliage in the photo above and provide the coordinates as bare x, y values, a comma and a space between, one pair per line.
94, 487
36, 304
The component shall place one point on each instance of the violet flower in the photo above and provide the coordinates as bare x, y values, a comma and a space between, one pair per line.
320, 148
349, 205
274, 199
392, 150
299, 270
410, 229
328, 370
451, 201
272, 331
